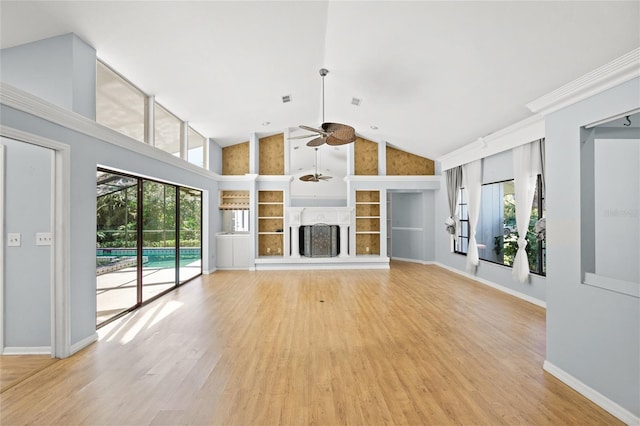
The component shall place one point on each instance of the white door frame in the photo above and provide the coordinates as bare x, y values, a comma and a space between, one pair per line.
61, 249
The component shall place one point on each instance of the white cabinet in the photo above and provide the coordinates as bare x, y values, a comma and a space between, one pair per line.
232, 251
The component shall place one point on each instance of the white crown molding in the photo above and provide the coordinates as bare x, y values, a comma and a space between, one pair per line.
274, 178
26, 102
520, 133
392, 178
249, 177
502, 288
593, 395
607, 76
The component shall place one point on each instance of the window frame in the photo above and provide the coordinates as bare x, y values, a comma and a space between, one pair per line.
539, 197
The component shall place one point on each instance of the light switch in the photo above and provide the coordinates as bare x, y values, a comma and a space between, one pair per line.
43, 238
14, 239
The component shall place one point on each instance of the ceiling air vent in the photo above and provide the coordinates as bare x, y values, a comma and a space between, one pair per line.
356, 101
286, 98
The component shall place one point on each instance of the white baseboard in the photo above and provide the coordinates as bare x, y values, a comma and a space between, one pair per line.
402, 259
209, 272
78, 346
593, 395
502, 288
30, 350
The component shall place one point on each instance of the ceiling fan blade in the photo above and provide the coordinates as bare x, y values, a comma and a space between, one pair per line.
312, 129
346, 134
325, 177
302, 137
317, 141
333, 141
307, 178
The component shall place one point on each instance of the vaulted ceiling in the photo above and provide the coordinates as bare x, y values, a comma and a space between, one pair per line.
431, 76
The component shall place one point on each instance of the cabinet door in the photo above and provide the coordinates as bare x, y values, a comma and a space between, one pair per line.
241, 252
224, 252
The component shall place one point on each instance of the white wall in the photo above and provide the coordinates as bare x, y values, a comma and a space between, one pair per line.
408, 225
617, 202
28, 192
61, 70
593, 334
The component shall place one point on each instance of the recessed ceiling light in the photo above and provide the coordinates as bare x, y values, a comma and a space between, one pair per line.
374, 127
266, 123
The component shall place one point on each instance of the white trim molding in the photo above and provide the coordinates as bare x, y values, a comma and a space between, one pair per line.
591, 394
2, 231
616, 72
520, 133
26, 102
502, 288
31, 350
61, 253
78, 346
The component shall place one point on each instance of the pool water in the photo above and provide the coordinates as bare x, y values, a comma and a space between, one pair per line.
169, 261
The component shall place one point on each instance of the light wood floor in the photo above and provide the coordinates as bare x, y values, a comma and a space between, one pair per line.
413, 345
17, 368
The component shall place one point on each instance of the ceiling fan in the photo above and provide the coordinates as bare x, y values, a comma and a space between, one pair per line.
315, 177
329, 133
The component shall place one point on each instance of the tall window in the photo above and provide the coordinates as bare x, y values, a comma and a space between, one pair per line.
122, 106
119, 104
167, 131
496, 232
195, 148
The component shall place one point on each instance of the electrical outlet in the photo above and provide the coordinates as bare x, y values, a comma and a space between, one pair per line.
14, 239
268, 250
367, 249
44, 239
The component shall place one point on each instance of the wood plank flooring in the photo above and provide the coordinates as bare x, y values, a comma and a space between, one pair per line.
412, 345
17, 368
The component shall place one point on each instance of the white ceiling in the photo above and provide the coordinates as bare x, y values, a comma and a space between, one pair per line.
432, 76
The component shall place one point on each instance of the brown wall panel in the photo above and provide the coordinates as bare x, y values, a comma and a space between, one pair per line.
401, 163
366, 157
235, 159
272, 155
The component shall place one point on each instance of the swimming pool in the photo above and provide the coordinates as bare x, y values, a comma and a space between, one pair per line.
152, 257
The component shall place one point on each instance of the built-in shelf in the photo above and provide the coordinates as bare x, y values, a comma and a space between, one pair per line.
367, 223
270, 223
234, 200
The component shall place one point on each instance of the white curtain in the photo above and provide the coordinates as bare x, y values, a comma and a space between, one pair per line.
526, 168
472, 179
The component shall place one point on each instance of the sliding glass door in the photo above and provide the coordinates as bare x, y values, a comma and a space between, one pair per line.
190, 234
117, 244
148, 241
158, 239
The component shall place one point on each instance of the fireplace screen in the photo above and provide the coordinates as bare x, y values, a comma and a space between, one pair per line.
319, 240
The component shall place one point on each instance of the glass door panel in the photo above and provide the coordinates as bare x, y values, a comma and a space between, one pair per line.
190, 234
116, 245
158, 238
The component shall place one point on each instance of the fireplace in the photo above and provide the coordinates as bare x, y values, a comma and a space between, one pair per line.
320, 231
319, 240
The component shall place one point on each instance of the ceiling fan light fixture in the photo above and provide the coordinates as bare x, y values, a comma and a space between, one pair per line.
329, 133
